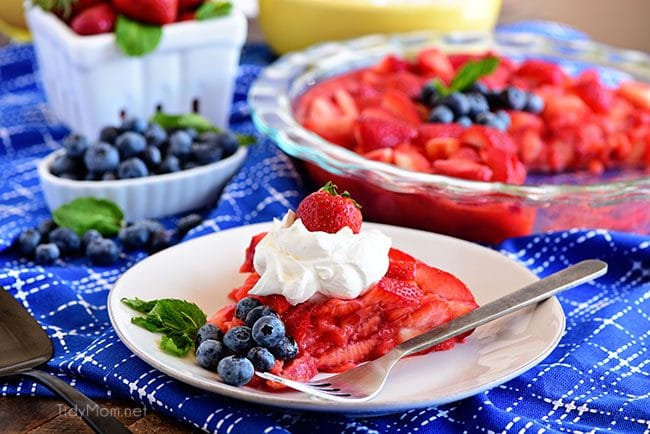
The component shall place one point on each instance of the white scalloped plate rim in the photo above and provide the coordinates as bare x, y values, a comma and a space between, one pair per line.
203, 270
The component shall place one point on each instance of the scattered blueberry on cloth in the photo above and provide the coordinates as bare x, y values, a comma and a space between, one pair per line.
597, 379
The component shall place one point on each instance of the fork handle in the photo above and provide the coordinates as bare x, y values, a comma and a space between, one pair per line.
95, 416
526, 296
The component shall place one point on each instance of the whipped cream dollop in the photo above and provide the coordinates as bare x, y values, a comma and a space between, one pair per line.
297, 263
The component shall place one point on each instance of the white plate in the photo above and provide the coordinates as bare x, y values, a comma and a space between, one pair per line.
204, 270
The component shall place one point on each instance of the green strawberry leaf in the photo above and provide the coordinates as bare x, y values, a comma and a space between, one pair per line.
135, 38
85, 213
213, 9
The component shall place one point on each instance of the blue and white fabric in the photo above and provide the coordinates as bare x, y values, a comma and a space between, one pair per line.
596, 380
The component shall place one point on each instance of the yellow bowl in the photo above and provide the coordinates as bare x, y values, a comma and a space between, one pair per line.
290, 25
12, 19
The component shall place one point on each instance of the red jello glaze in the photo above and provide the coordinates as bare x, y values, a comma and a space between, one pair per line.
335, 335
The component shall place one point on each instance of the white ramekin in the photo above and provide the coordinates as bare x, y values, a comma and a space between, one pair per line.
148, 197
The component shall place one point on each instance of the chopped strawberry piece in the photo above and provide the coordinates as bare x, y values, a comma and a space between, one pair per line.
435, 281
374, 133
441, 147
342, 359
409, 157
407, 83
637, 93
240, 292
538, 72
223, 316
484, 137
593, 92
385, 155
400, 106
464, 169
522, 121
301, 369
433, 62
505, 167
427, 132
391, 64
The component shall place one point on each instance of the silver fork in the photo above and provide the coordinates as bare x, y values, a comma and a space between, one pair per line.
365, 381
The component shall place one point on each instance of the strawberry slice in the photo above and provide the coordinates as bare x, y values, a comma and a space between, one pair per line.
637, 93
540, 72
432, 312
441, 147
223, 316
302, 368
393, 292
400, 106
484, 137
391, 64
427, 132
374, 133
385, 155
328, 119
342, 359
401, 265
565, 110
505, 167
435, 281
247, 266
433, 62
464, 169
409, 157
589, 87
407, 83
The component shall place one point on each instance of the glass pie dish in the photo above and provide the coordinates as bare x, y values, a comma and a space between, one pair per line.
474, 210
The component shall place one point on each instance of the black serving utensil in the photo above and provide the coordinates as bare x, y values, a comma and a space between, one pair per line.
24, 345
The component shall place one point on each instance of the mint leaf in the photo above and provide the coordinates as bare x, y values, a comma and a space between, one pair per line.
139, 305
86, 213
135, 38
176, 345
178, 320
471, 71
189, 120
213, 9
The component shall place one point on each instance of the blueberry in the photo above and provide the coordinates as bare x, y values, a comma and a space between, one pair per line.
464, 121
45, 227
101, 157
239, 339
228, 142
155, 135
208, 331
109, 134
180, 144
170, 164
209, 353
206, 152
504, 117
478, 87
76, 145
132, 168
187, 223
513, 98
66, 240
135, 124
152, 225
47, 253
28, 240
135, 236
190, 165
287, 349
235, 370
103, 251
208, 137
257, 313
192, 132
130, 144
441, 114
268, 331
109, 176
490, 119
477, 103
535, 104
457, 103
152, 157
90, 235
261, 358
64, 164
429, 94
92, 176
245, 305
159, 240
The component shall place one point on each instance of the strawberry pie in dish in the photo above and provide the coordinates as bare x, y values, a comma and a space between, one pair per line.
342, 295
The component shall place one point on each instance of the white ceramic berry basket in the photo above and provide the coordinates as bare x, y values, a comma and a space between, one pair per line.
148, 197
90, 83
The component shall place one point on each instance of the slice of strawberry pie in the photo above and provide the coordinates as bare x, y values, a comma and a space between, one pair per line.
343, 296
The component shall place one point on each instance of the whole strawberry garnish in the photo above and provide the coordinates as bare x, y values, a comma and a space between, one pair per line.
328, 211
149, 11
94, 20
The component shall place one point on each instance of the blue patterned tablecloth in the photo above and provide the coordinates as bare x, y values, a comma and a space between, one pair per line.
596, 380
